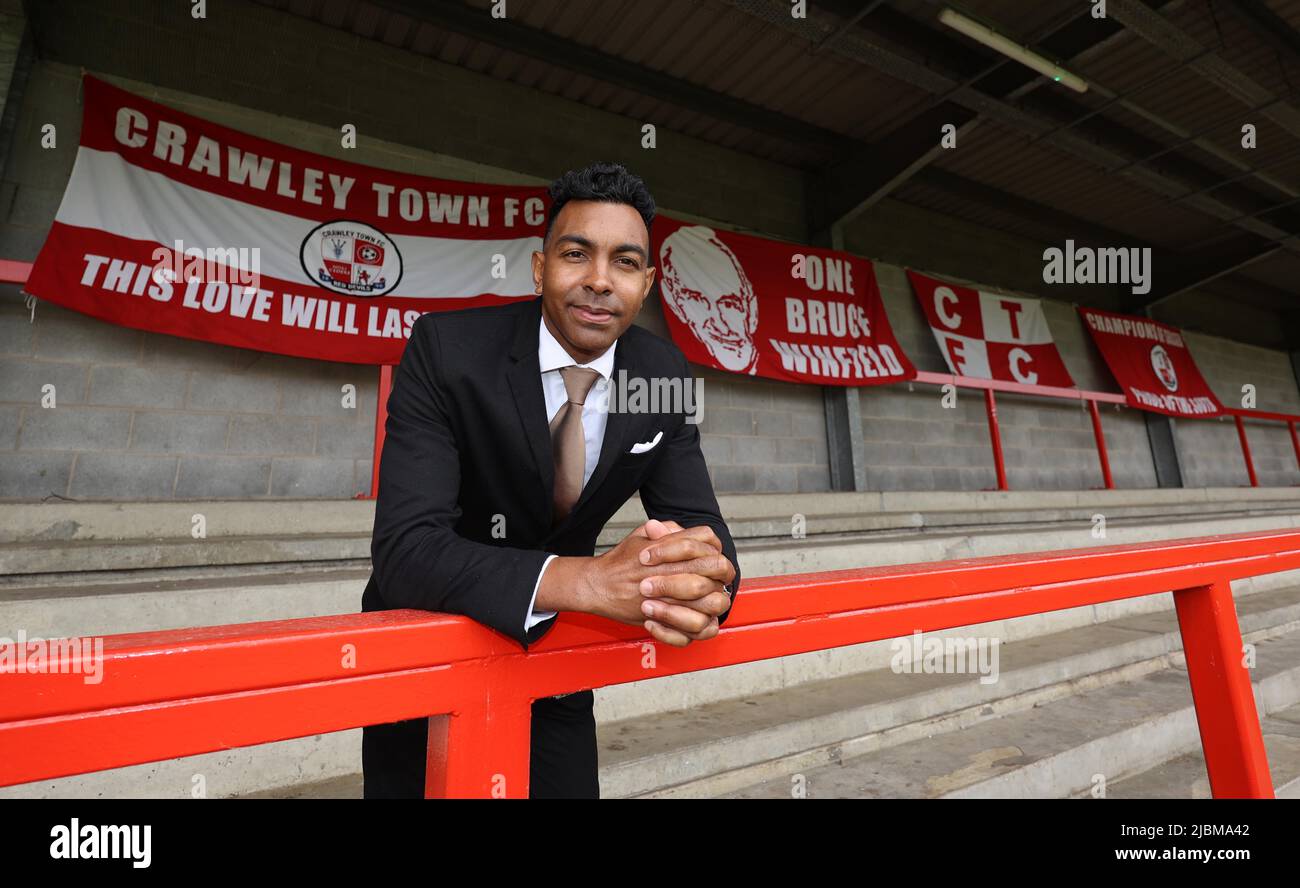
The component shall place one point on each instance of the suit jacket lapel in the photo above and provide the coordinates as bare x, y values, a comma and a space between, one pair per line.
525, 375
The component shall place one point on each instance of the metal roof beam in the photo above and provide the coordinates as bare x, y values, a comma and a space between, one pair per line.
1192, 272
1157, 30
454, 16
870, 48
851, 185
1267, 24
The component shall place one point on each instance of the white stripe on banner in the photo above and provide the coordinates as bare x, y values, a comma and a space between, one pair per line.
1030, 323
108, 193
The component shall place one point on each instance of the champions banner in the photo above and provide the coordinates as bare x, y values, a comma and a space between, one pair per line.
989, 335
762, 307
174, 224
1151, 362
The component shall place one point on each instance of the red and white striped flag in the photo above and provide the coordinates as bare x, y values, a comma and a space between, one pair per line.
300, 253
990, 335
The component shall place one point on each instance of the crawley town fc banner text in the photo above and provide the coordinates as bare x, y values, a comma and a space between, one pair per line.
313, 256
763, 307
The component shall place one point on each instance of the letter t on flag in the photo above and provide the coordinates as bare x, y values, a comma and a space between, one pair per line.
990, 335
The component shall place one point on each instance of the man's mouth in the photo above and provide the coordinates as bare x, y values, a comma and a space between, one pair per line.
592, 314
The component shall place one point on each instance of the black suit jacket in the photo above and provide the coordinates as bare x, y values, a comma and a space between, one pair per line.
467, 440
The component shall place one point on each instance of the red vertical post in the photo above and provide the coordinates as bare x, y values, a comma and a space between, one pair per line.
480, 752
1221, 689
996, 438
1101, 445
1295, 441
1245, 450
381, 419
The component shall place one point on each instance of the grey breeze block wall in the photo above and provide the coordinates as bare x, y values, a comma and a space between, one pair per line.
144, 415
914, 442
1209, 451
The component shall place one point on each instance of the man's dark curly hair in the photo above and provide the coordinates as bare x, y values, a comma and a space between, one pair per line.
609, 182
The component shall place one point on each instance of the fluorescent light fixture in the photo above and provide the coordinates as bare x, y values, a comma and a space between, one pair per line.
1009, 48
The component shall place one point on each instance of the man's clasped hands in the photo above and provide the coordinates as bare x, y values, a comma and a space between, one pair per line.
667, 578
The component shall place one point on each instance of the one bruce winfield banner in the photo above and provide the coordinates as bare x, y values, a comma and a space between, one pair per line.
1151, 362
301, 254
989, 335
762, 307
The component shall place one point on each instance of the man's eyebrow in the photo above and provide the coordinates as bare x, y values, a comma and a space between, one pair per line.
587, 244
630, 248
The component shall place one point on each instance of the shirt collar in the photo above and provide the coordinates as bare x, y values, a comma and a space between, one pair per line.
552, 356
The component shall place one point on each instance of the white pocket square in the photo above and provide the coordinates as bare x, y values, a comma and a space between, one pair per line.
646, 445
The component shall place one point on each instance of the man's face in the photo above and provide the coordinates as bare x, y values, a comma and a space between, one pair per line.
593, 275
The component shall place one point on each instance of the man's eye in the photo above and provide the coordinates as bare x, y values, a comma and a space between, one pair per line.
572, 253
628, 260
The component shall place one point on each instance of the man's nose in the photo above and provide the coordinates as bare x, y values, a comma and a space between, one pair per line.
598, 277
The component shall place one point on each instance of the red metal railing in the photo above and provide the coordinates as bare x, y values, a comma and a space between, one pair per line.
1092, 399
164, 695
989, 386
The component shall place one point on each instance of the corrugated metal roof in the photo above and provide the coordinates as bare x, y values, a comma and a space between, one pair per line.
726, 47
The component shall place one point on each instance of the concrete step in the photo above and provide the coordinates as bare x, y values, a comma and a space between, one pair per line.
1185, 777
88, 602
71, 537
713, 749
113, 602
108, 602
1055, 749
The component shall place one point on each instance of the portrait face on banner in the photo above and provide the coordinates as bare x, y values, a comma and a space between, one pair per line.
718, 306
758, 306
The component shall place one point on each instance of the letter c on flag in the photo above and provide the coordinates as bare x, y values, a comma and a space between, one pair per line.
1015, 358
942, 295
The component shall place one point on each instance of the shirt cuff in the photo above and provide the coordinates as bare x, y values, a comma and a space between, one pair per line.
534, 618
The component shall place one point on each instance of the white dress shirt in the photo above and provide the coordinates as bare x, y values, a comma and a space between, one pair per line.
551, 356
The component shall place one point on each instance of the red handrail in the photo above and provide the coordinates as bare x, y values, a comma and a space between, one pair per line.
185, 692
1092, 399
12, 272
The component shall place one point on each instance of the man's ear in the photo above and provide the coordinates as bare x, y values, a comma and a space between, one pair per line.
649, 282
539, 270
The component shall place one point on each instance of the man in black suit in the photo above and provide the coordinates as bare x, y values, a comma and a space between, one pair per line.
502, 463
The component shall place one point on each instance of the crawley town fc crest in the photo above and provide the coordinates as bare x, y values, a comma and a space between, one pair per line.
1163, 365
351, 258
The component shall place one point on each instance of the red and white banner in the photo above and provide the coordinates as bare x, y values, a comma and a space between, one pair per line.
990, 335
284, 250
1151, 362
762, 307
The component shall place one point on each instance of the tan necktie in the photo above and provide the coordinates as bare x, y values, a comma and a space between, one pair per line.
568, 442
